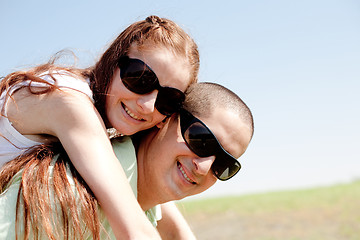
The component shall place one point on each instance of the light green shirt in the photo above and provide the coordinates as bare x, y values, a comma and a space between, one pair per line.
125, 152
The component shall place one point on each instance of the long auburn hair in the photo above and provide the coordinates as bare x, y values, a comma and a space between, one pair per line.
76, 208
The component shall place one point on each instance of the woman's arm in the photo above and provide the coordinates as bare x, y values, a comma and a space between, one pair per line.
173, 225
70, 116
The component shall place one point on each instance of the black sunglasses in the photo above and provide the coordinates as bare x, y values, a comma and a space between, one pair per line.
203, 143
139, 78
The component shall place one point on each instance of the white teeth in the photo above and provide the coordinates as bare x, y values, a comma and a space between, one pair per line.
131, 114
185, 176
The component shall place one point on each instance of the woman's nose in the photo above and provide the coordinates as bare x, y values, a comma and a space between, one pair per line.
203, 165
147, 102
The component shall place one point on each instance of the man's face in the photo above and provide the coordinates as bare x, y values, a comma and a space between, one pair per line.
170, 171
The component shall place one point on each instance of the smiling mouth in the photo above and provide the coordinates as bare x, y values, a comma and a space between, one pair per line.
131, 114
184, 174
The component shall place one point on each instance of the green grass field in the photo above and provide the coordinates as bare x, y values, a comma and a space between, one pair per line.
326, 213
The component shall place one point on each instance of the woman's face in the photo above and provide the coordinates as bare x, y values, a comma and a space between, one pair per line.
129, 112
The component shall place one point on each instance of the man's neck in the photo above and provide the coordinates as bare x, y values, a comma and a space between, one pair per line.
145, 197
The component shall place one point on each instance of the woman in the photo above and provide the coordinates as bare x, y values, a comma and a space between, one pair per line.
147, 66
70, 212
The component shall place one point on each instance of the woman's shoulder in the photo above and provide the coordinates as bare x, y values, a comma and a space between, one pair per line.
68, 79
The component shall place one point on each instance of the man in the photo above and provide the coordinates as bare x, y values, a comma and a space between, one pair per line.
183, 157
180, 172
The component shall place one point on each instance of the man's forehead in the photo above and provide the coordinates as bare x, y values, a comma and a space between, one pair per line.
171, 129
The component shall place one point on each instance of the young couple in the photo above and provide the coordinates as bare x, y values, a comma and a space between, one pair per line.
138, 84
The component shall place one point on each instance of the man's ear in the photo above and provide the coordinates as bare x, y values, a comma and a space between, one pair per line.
163, 122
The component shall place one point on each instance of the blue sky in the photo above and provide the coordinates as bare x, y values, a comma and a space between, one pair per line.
295, 63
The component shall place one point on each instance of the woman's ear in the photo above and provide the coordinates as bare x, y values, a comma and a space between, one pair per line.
163, 122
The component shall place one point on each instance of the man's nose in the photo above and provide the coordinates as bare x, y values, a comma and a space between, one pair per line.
203, 165
147, 102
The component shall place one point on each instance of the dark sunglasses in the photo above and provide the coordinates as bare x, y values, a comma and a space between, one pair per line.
203, 143
139, 78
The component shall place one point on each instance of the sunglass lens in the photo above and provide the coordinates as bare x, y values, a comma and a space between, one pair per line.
200, 140
137, 77
225, 168
169, 100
